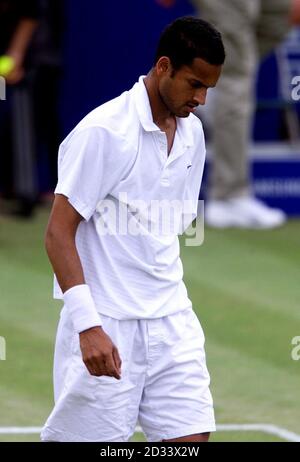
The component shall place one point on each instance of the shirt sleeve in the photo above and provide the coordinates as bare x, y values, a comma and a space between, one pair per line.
85, 170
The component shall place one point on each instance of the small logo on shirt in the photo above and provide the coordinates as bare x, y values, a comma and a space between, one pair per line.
189, 166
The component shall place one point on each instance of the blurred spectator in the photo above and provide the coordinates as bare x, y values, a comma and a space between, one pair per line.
18, 22
31, 34
250, 30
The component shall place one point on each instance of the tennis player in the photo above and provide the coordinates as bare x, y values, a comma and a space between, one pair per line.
129, 346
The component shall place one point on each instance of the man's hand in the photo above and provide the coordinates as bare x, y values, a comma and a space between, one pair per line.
99, 354
15, 76
166, 3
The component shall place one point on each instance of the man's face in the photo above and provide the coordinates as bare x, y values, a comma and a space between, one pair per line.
185, 89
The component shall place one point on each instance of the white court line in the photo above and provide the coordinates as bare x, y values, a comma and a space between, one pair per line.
20, 430
264, 428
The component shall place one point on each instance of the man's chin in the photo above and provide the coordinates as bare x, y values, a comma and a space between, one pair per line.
183, 113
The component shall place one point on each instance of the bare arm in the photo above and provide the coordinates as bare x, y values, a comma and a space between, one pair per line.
99, 354
18, 48
60, 244
21, 39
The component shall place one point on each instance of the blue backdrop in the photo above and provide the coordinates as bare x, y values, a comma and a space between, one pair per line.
108, 45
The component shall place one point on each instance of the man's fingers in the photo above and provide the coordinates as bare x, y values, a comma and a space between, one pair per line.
117, 359
95, 368
103, 368
99, 354
111, 367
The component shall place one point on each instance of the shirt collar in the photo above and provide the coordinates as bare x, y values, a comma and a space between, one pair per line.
143, 108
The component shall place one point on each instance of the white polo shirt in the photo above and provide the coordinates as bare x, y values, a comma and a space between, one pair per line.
115, 164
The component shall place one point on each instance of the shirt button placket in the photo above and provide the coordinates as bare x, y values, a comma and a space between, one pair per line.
164, 151
165, 181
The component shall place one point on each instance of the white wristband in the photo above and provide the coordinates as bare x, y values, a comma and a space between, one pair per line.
80, 304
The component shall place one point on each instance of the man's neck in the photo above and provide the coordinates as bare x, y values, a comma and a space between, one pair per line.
162, 116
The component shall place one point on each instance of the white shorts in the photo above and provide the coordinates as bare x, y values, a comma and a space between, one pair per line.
164, 384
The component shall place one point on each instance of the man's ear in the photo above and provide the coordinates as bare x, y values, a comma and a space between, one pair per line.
163, 66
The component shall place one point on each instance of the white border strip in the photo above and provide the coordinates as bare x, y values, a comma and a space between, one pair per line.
264, 428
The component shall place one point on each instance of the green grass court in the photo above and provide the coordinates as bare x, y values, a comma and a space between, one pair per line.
245, 288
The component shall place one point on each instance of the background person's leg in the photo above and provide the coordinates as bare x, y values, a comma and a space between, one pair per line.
6, 154
24, 147
273, 24
234, 98
231, 200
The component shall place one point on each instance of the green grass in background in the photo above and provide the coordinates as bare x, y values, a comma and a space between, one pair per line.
245, 289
